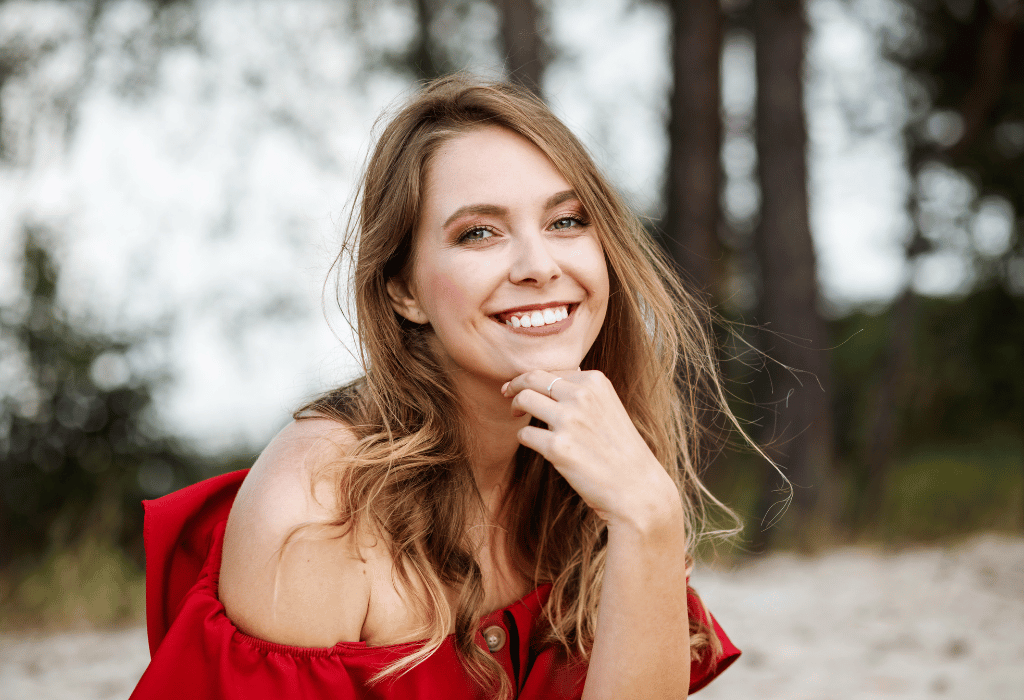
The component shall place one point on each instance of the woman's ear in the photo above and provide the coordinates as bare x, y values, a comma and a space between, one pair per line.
403, 301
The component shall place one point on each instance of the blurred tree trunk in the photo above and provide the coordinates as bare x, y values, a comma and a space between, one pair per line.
426, 58
881, 440
521, 43
991, 63
892, 391
794, 335
695, 133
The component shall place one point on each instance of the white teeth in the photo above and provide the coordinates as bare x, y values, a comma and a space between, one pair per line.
539, 318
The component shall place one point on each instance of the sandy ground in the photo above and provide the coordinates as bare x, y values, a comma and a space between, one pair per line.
853, 624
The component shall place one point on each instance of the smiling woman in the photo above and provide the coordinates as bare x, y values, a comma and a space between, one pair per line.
505, 503
502, 236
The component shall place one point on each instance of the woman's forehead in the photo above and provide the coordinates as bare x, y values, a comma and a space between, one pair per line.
488, 166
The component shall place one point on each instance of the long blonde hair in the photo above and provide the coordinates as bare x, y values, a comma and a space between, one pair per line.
409, 476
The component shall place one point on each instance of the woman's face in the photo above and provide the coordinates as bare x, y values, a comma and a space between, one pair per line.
506, 266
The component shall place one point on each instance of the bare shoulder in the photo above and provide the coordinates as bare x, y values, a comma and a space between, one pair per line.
279, 483
281, 581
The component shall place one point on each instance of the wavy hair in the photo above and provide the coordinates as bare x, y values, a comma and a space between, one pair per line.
408, 476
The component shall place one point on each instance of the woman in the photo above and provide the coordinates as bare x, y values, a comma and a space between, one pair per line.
524, 440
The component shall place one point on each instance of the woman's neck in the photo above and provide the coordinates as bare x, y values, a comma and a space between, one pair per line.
493, 443
493, 436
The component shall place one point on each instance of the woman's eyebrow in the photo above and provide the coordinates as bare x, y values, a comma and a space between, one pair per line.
485, 209
559, 197
495, 210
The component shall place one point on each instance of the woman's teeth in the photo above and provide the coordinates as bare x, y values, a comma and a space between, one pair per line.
532, 319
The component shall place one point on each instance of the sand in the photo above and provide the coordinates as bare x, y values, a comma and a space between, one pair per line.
858, 624
852, 624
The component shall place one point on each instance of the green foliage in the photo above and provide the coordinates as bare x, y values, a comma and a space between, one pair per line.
91, 583
964, 382
965, 67
939, 492
78, 451
969, 369
958, 416
957, 458
934, 492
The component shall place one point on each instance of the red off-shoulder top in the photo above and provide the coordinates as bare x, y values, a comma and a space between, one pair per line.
198, 654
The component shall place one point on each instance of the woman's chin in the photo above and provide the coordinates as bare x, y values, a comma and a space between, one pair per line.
570, 364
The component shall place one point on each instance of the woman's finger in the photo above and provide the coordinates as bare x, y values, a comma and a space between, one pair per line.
537, 439
546, 383
536, 380
537, 405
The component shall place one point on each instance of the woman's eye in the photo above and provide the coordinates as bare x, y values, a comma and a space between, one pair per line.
476, 234
568, 222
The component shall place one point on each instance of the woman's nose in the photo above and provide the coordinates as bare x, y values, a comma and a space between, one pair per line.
534, 261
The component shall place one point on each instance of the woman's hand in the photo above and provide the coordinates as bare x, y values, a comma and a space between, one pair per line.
640, 648
592, 442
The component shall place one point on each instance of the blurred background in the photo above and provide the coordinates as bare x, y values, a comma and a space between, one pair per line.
842, 179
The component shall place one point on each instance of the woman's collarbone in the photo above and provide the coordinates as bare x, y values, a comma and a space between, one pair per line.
397, 611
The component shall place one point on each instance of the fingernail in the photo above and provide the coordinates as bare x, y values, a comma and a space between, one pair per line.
504, 387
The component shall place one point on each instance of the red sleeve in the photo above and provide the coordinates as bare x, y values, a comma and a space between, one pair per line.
177, 532
705, 671
199, 654
553, 677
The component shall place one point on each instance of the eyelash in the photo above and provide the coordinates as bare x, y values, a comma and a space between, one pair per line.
464, 236
572, 217
579, 220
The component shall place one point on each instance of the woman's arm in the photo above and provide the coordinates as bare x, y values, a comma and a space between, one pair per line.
306, 588
642, 645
